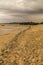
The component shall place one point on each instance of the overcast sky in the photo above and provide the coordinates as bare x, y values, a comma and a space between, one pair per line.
21, 10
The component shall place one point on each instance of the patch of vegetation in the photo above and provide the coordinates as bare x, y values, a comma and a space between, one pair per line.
41, 23
2, 25
25, 23
29, 23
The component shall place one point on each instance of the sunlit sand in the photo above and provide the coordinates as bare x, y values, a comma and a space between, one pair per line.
21, 45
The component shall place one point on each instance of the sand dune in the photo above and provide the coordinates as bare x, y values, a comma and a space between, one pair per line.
24, 48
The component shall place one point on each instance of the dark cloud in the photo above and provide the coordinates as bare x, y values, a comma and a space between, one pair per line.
17, 10
22, 6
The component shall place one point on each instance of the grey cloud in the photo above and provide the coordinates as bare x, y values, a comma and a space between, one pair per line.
16, 10
21, 5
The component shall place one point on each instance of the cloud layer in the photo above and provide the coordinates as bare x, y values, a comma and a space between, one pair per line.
17, 10
30, 5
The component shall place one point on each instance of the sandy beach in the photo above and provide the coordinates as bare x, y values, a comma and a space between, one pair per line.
21, 45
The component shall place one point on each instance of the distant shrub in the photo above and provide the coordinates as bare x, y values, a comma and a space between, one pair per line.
25, 23
41, 23
28, 23
2, 25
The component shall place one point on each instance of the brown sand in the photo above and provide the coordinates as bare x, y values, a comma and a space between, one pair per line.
24, 48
